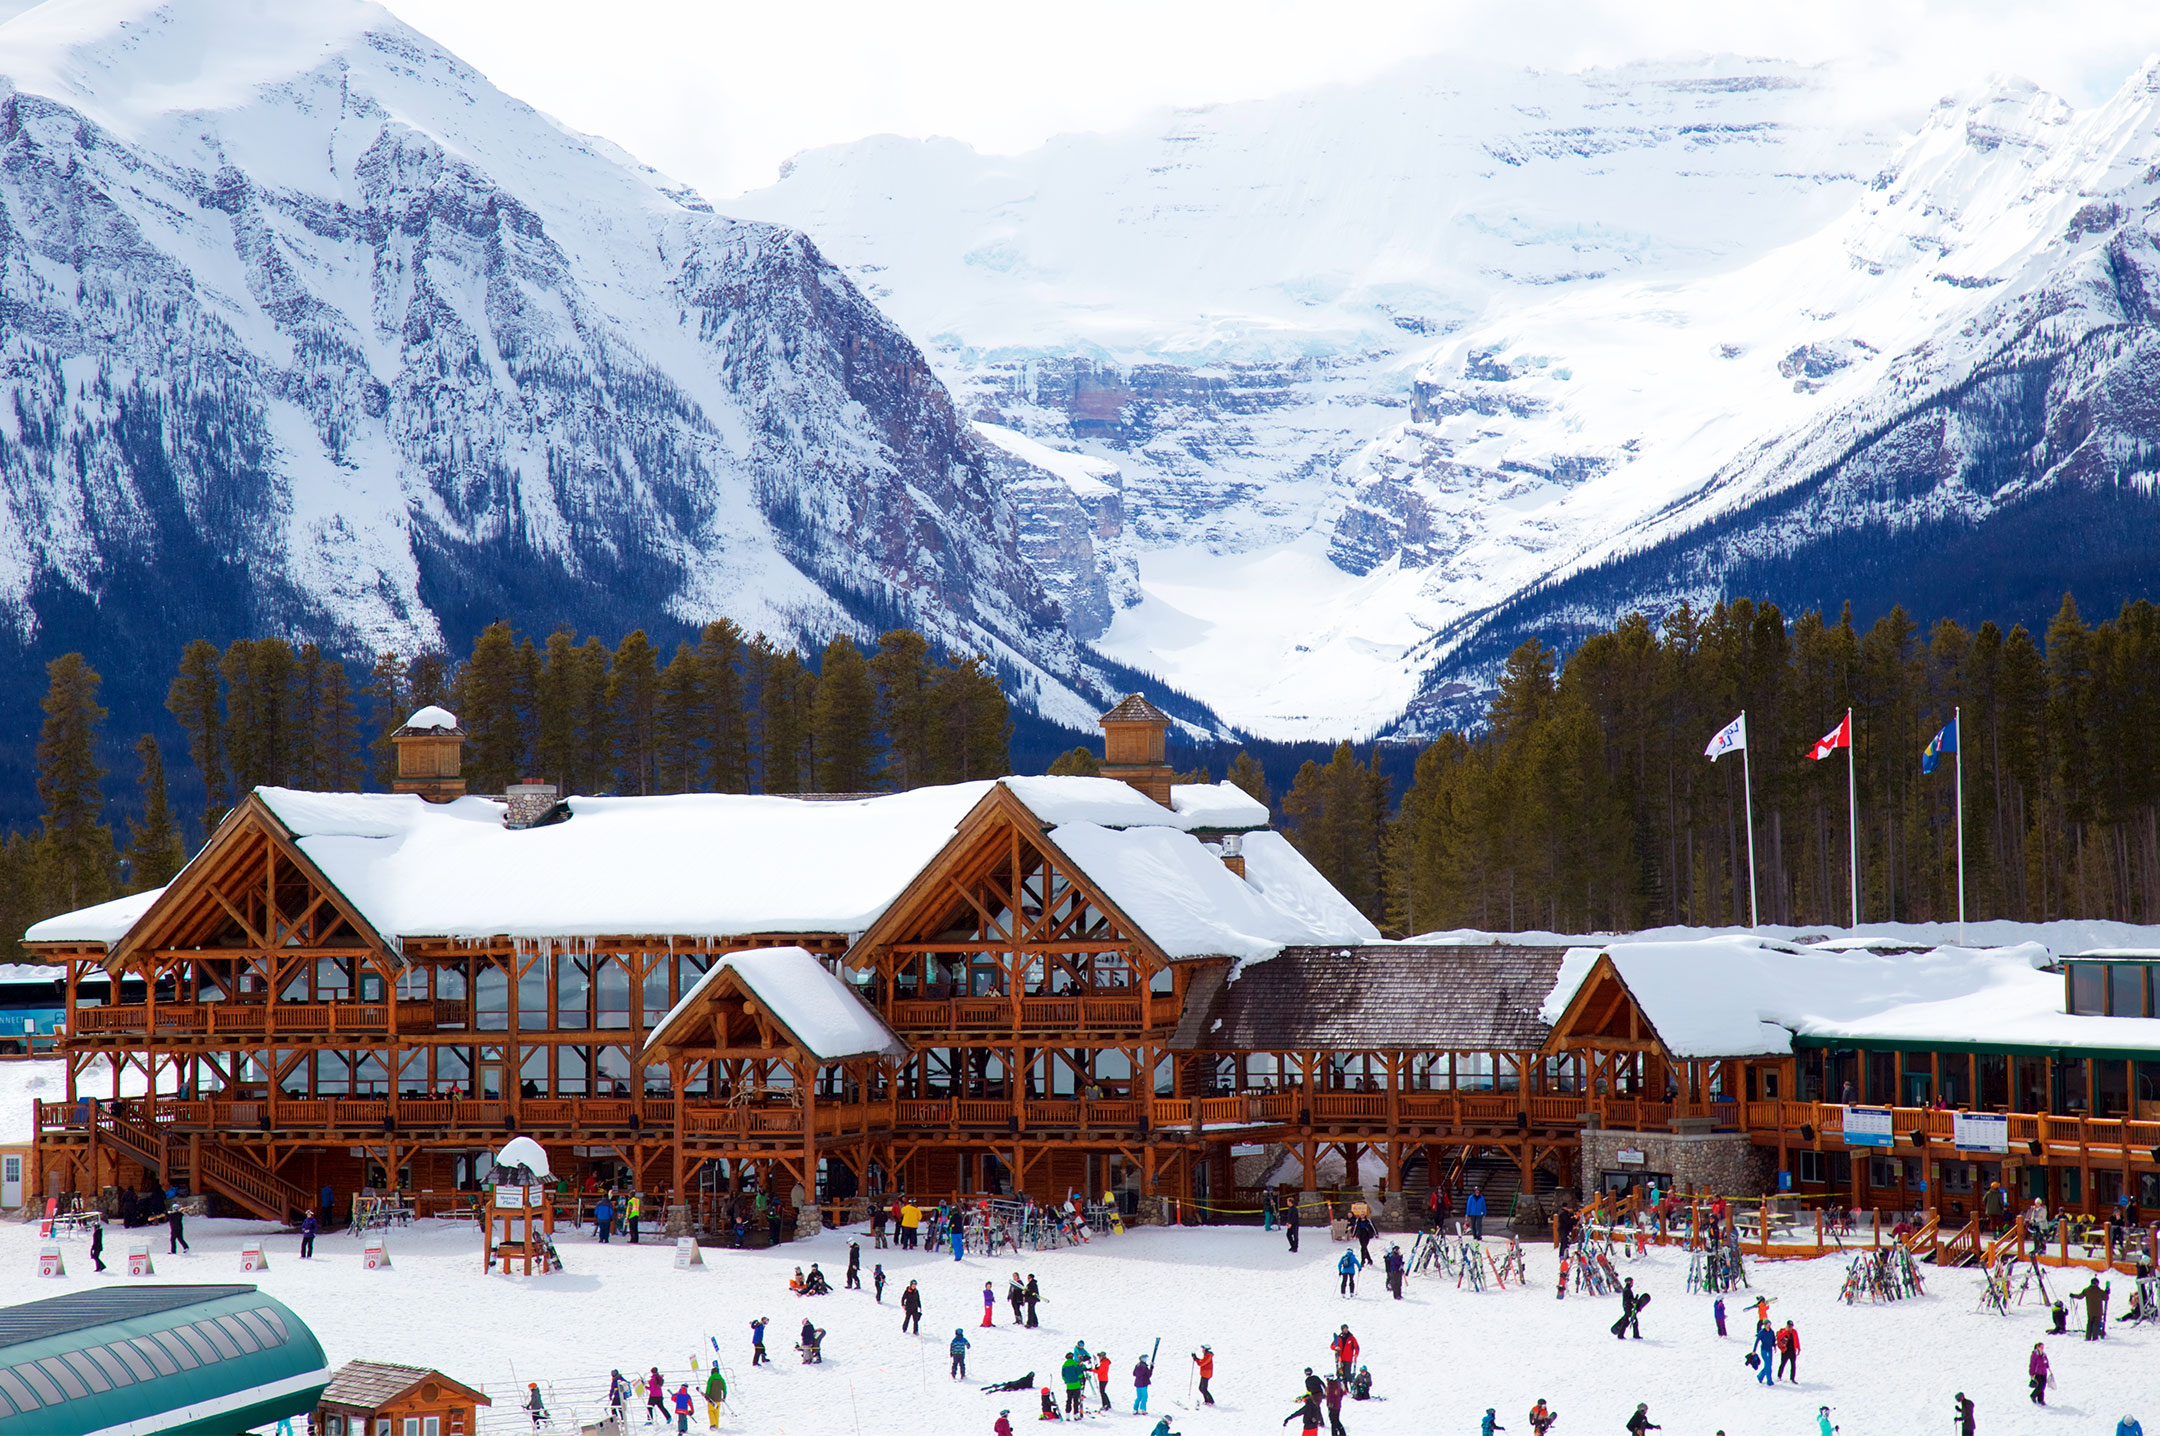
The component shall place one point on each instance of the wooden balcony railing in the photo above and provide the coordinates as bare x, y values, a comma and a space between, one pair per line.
256, 1019
1031, 1014
2116, 1135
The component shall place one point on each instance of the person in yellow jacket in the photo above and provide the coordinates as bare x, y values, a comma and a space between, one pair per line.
910, 1222
635, 1212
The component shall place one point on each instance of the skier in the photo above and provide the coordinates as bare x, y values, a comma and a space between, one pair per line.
1034, 1294
1162, 1428
1717, 1311
1345, 1347
655, 1397
1204, 1358
1490, 1424
1473, 1207
1641, 1422
989, 1304
2095, 1298
1363, 1229
1334, 1392
854, 1265
97, 1243
757, 1341
1962, 1414
1393, 1264
877, 1281
534, 1405
1102, 1378
2036, 1370
683, 1407
911, 1308
1348, 1267
1142, 1374
1764, 1357
1074, 1374
1822, 1422
1788, 1352
618, 1395
1016, 1293
1049, 1405
1290, 1229
958, 1346
1542, 1417
1631, 1307
1307, 1414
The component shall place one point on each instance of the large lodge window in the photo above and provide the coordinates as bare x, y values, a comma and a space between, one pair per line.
2110, 989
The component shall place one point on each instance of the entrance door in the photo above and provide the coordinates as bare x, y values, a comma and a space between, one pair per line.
10, 1181
490, 1085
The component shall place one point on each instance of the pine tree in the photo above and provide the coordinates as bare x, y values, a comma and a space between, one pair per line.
388, 707
1334, 816
428, 681
78, 846
155, 851
681, 722
1247, 774
843, 721
309, 672
593, 703
487, 709
972, 724
1080, 762
556, 707
243, 718
720, 676
634, 691
196, 703
901, 667
337, 723
785, 722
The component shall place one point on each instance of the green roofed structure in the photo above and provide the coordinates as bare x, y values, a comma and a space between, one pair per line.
155, 1361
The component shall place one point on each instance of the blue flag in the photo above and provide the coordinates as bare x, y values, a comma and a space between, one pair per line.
1941, 743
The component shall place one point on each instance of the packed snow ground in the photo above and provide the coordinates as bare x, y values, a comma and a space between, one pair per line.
1438, 1358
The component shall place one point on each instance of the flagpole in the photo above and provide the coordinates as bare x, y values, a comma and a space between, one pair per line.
1747, 787
1957, 727
1852, 815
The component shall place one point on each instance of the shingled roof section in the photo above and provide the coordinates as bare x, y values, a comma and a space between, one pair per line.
1384, 996
1134, 709
368, 1385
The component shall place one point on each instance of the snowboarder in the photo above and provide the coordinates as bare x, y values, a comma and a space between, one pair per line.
1345, 1347
1641, 1422
1348, 1267
2036, 1371
1764, 1355
1204, 1358
176, 1225
1142, 1374
655, 1397
1102, 1378
1034, 1294
1490, 1424
911, 1309
683, 1406
1393, 1265
1542, 1417
958, 1346
810, 1342
1473, 1207
534, 1405
1016, 1293
877, 1281
757, 1341
854, 1265
1631, 1307
989, 1304
1788, 1352
1074, 1374
1290, 1229
1717, 1312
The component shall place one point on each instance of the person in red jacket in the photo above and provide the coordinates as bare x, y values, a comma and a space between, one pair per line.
1204, 1358
1788, 1352
1004, 1424
682, 1408
1345, 1347
1102, 1378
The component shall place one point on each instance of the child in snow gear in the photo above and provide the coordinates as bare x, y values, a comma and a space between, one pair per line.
1074, 1375
1102, 1378
1314, 1386
1204, 1358
989, 1304
2036, 1371
854, 1265
1003, 1425
683, 1405
1348, 1266
1788, 1352
655, 1397
1641, 1422
757, 1341
1361, 1385
1049, 1403
2128, 1426
1142, 1374
1822, 1422
1018, 1383
911, 1308
1490, 1424
811, 1343
1542, 1417
877, 1280
1162, 1428
715, 1395
534, 1404
958, 1347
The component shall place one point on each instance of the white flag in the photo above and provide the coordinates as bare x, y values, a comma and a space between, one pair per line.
1730, 738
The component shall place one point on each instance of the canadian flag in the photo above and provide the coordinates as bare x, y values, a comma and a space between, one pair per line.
1836, 738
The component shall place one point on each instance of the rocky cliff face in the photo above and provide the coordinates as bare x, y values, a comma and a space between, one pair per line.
305, 328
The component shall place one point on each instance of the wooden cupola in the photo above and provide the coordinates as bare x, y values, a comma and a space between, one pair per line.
430, 755
1136, 735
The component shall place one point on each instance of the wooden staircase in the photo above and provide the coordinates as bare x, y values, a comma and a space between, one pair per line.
228, 1171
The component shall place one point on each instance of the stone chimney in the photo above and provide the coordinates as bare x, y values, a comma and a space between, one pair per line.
1135, 738
1233, 852
430, 755
529, 801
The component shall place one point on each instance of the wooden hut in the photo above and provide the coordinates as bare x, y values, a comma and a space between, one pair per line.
380, 1398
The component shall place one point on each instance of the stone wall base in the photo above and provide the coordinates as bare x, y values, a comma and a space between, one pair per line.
1724, 1164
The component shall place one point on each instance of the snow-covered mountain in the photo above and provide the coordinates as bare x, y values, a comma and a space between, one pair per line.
1394, 374
307, 328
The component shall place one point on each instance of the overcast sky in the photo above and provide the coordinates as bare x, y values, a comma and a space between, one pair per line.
718, 92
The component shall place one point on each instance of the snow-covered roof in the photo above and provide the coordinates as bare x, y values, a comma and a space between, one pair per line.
524, 1152
106, 922
1190, 905
1217, 805
433, 717
822, 1013
1739, 996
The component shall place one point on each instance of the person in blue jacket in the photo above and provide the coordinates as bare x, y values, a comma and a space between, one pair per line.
959, 1347
1765, 1354
1490, 1424
1347, 1265
2128, 1426
959, 1237
1474, 1208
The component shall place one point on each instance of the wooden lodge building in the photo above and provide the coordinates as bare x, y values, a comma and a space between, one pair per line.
1039, 984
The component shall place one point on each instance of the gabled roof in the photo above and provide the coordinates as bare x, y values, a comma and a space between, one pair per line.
818, 1012
370, 1385
1134, 709
1386, 996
